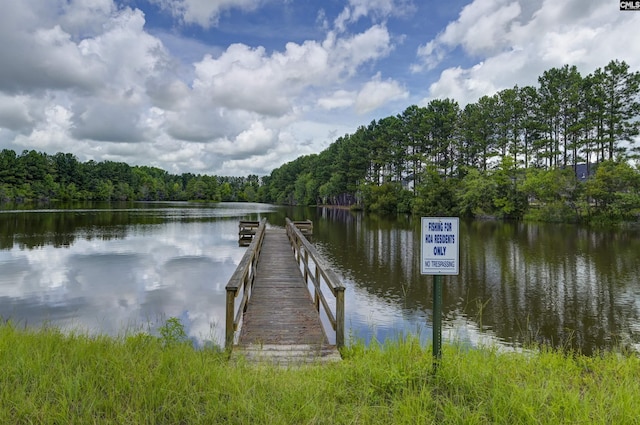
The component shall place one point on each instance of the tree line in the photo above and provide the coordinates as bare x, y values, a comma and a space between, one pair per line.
560, 151
37, 176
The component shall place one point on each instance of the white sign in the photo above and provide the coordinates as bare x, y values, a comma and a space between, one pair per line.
440, 249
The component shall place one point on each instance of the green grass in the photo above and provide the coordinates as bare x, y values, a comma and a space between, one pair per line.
48, 377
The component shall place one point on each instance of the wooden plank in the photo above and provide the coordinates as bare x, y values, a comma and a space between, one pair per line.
305, 227
288, 355
281, 312
246, 231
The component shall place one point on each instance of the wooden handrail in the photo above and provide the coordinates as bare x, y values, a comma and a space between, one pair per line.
305, 227
304, 250
246, 231
242, 279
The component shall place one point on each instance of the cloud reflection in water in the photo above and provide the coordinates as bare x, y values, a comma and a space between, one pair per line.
134, 283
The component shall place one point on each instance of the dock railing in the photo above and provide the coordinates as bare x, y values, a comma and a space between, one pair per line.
246, 231
316, 272
241, 282
305, 227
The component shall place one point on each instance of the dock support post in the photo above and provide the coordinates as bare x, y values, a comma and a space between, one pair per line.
340, 316
316, 289
229, 327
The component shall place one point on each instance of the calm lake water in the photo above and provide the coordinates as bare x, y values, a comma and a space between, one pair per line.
116, 269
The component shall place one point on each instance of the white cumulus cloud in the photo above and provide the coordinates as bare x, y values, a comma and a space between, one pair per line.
514, 42
204, 13
377, 92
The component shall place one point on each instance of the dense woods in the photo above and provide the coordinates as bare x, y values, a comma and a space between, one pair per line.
35, 176
561, 151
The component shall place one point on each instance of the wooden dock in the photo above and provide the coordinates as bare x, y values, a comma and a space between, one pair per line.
279, 318
246, 231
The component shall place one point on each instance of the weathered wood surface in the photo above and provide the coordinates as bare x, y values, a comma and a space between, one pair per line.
281, 324
246, 231
288, 355
305, 227
317, 274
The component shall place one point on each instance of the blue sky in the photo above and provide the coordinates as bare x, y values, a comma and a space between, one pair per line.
238, 87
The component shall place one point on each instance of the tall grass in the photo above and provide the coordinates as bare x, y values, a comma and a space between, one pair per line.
48, 377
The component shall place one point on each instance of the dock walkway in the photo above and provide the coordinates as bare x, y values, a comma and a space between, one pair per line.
281, 323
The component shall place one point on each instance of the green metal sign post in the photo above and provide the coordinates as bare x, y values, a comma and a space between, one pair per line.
439, 256
437, 320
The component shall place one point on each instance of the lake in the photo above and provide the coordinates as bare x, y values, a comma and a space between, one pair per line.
117, 269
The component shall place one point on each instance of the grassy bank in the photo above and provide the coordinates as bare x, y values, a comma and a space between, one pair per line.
51, 378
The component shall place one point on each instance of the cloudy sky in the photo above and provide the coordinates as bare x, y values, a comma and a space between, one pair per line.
238, 87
